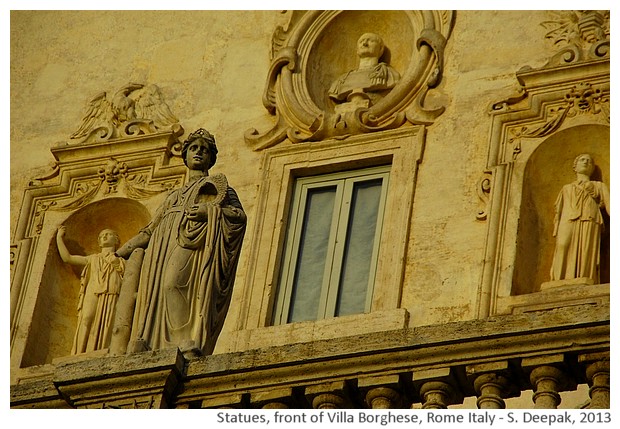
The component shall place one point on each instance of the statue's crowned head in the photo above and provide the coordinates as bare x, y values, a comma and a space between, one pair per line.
205, 136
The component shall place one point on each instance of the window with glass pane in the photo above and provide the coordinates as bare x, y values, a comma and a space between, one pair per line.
332, 245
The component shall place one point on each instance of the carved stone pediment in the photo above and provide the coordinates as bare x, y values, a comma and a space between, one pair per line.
133, 110
316, 48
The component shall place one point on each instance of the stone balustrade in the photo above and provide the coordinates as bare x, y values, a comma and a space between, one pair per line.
434, 367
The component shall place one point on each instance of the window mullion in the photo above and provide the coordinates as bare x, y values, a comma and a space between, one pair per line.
340, 236
326, 293
377, 241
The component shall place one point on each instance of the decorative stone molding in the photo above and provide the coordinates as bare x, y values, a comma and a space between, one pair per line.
135, 109
581, 99
561, 110
303, 64
109, 176
403, 151
37, 391
484, 192
108, 184
146, 380
581, 35
295, 374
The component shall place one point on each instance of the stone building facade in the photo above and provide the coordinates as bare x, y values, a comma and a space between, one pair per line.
441, 138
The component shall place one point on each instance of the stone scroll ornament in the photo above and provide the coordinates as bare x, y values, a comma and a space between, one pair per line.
374, 96
100, 284
579, 35
135, 109
578, 226
192, 248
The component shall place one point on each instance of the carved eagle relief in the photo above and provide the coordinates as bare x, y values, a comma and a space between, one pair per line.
134, 109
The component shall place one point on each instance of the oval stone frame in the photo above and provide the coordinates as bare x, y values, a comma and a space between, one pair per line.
312, 48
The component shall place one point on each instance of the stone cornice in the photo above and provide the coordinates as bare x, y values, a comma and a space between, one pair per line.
402, 351
166, 378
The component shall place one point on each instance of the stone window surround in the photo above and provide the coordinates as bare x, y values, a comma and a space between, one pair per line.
337, 245
402, 150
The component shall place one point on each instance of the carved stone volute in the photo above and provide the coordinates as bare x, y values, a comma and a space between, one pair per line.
317, 49
581, 35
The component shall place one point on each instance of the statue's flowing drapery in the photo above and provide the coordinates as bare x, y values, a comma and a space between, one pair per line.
188, 270
379, 78
578, 229
100, 285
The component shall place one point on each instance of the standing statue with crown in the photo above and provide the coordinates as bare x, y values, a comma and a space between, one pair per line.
192, 248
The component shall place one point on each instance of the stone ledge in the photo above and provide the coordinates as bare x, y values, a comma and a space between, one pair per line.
557, 296
458, 344
164, 378
326, 329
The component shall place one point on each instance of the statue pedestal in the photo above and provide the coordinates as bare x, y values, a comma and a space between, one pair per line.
358, 99
555, 294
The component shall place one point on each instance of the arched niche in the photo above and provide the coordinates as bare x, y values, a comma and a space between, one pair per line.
55, 316
548, 169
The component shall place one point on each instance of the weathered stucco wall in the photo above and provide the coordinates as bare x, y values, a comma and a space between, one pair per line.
485, 50
212, 66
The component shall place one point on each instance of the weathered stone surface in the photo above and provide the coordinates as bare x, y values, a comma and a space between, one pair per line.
476, 162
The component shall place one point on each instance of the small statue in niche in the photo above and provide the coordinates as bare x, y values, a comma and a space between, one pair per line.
100, 284
365, 85
578, 226
192, 249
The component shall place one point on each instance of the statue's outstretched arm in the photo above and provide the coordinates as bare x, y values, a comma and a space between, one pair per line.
64, 252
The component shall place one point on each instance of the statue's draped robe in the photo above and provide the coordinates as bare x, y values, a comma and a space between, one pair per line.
378, 79
100, 281
188, 271
578, 228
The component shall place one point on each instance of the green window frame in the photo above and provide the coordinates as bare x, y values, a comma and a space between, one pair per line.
332, 244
